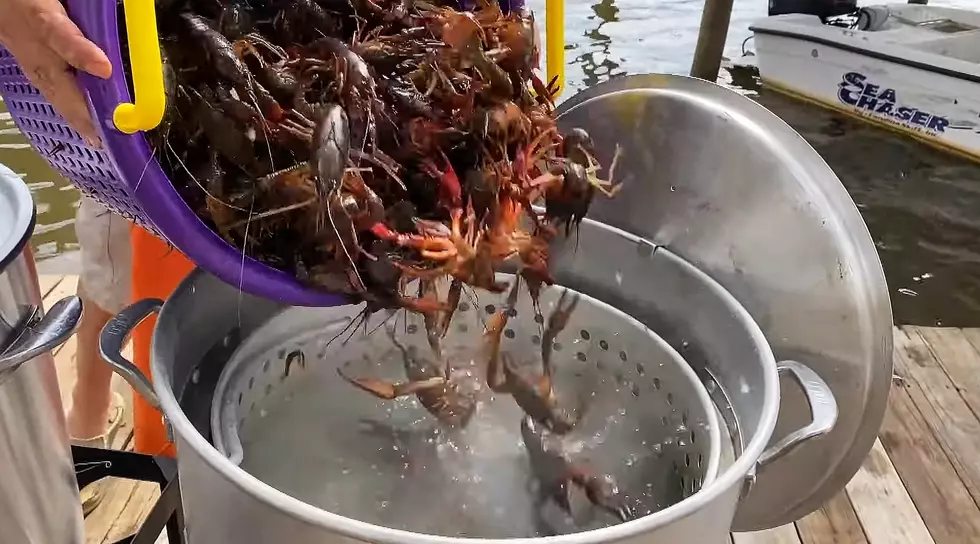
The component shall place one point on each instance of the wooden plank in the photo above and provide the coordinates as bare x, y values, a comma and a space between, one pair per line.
66, 287
941, 498
785, 534
957, 356
951, 421
117, 495
883, 505
834, 523
140, 503
49, 282
973, 336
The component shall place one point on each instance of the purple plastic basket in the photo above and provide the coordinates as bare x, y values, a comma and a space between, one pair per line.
125, 177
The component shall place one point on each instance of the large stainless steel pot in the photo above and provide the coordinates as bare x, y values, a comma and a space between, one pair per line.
205, 319
38, 495
731, 188
666, 288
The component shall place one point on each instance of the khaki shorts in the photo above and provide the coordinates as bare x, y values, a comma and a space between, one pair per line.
107, 258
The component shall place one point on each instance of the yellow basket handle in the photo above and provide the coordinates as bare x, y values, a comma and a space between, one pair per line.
554, 27
147, 70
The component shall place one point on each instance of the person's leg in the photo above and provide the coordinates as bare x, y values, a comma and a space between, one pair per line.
91, 396
104, 286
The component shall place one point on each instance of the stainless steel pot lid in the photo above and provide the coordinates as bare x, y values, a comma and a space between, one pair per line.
727, 185
16, 216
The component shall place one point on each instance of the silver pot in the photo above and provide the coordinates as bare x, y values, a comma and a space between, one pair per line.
38, 495
681, 289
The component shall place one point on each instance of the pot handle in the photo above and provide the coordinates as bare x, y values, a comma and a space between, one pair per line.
823, 411
42, 335
113, 338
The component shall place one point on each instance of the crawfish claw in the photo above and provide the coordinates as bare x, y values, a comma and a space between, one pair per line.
387, 390
603, 492
557, 322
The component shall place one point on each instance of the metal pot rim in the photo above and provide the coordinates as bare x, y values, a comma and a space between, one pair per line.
352, 528
17, 216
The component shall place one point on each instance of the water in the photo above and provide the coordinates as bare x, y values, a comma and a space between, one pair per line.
920, 204
639, 427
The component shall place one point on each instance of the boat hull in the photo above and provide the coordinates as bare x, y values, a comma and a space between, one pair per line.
936, 106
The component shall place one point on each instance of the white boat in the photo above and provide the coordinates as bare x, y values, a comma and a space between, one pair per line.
910, 68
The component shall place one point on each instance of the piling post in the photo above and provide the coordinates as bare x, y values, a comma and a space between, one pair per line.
715, 18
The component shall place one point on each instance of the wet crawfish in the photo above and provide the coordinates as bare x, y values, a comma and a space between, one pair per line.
555, 471
545, 423
445, 397
569, 201
535, 396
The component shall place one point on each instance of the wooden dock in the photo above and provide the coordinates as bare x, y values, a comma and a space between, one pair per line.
919, 485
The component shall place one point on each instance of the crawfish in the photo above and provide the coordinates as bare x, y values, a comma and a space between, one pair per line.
302, 19
235, 20
569, 201
158, 137
275, 76
554, 470
224, 133
535, 397
221, 55
358, 87
328, 140
443, 396
462, 32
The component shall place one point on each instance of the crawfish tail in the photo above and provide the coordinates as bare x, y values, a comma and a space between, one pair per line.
331, 149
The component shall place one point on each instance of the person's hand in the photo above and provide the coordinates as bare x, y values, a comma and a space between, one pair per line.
47, 45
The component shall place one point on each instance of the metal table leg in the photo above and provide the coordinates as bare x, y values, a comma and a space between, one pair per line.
93, 464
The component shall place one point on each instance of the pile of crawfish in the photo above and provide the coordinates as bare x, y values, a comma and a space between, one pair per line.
360, 144
364, 144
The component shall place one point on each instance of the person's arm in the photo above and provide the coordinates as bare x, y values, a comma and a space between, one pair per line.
47, 45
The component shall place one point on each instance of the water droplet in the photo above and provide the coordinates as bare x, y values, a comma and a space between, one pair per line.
345, 471
384, 504
622, 411
672, 188
263, 412
908, 292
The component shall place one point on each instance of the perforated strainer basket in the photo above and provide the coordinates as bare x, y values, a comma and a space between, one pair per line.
645, 418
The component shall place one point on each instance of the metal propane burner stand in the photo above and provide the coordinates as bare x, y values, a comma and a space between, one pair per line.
94, 464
